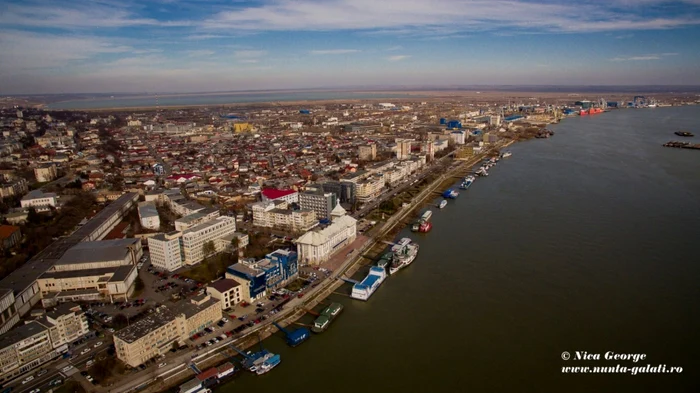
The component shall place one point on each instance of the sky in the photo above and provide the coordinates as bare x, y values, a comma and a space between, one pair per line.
148, 46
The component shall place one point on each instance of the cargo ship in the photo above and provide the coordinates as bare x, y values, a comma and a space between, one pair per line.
363, 290
405, 253
684, 133
442, 204
450, 193
326, 317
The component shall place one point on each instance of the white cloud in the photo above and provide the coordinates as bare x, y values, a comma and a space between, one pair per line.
249, 61
77, 14
414, 16
333, 51
398, 57
200, 53
653, 56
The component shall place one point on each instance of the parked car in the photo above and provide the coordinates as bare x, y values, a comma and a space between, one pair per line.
84, 351
28, 379
162, 365
42, 372
67, 368
97, 344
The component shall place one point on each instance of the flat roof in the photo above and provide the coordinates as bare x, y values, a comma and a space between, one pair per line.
161, 317
20, 333
62, 274
98, 251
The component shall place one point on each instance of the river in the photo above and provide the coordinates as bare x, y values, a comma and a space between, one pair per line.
583, 242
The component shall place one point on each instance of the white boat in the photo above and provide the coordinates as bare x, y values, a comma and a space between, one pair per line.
404, 255
426, 216
443, 203
363, 290
506, 154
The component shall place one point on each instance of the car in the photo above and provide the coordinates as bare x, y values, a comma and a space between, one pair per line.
90, 363
89, 378
97, 344
56, 382
223, 336
42, 372
37, 390
28, 379
84, 351
67, 368
301, 295
162, 365
224, 320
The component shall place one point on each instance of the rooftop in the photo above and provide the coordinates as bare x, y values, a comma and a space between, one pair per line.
99, 251
161, 317
273, 193
224, 285
7, 230
20, 333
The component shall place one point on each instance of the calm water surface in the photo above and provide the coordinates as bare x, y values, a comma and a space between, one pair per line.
587, 241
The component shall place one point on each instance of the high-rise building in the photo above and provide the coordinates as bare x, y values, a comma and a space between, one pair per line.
165, 250
403, 148
320, 202
345, 191
367, 152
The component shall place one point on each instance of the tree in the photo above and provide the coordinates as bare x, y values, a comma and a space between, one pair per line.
120, 321
208, 248
32, 216
234, 243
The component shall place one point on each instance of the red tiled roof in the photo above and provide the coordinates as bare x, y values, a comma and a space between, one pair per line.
7, 230
273, 193
204, 375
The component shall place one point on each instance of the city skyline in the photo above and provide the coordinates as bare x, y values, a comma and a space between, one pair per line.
194, 46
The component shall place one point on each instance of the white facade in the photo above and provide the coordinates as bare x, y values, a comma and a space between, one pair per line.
315, 247
38, 199
458, 137
193, 239
148, 214
369, 188
165, 251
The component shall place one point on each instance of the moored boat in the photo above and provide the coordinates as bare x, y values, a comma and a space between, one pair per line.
442, 204
425, 227
404, 254
363, 290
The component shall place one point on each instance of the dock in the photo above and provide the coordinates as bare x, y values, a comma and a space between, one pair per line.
682, 145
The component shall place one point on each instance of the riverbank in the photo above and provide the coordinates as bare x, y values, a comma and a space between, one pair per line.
296, 309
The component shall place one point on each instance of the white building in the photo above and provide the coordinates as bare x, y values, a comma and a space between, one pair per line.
193, 239
458, 137
45, 173
165, 251
269, 215
317, 246
273, 194
148, 214
39, 200
228, 291
196, 218
370, 188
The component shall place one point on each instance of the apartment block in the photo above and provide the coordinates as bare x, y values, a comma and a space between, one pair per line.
165, 250
46, 173
370, 188
15, 187
193, 239
158, 332
367, 152
267, 215
196, 218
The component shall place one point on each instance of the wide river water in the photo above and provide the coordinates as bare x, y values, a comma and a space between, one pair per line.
588, 241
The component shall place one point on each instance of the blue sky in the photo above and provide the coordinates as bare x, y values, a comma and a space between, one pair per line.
198, 45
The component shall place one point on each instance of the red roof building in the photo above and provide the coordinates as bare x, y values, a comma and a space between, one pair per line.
273, 194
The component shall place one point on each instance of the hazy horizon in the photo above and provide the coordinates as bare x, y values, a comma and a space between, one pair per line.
194, 46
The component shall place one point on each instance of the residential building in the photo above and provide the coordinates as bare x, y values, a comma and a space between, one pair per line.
266, 214
15, 187
26, 348
320, 202
10, 236
165, 250
228, 292
317, 246
69, 322
370, 188
458, 137
45, 173
148, 214
196, 218
193, 239
367, 152
39, 200
273, 194
158, 332
8, 313
403, 148
226, 242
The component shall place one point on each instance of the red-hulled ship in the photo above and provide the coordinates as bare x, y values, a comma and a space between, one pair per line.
583, 112
425, 226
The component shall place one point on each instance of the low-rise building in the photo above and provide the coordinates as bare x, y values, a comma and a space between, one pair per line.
10, 236
39, 200
228, 292
148, 214
196, 218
